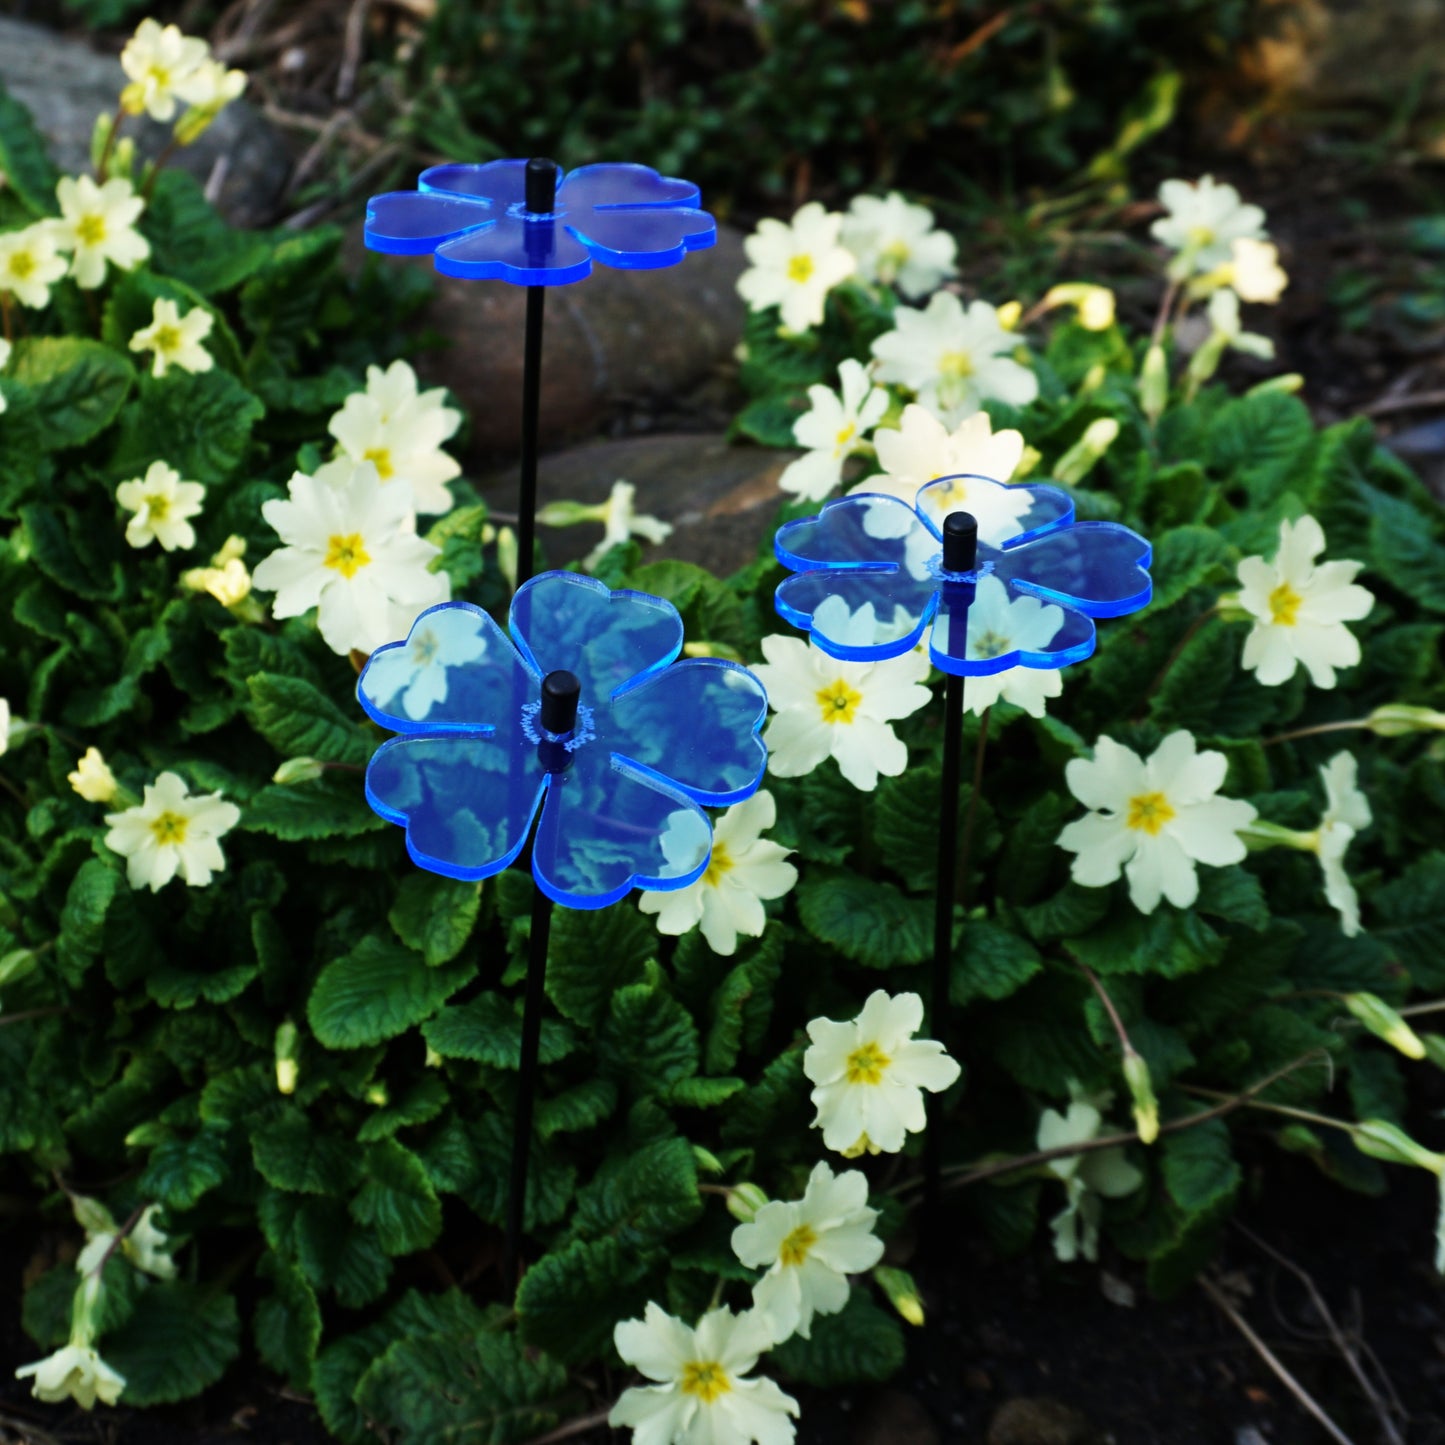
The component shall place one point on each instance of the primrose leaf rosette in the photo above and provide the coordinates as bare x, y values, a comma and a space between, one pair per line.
620, 790
869, 577
474, 220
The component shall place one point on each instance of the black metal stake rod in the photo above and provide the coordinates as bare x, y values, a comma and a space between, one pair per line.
960, 554
558, 717
541, 199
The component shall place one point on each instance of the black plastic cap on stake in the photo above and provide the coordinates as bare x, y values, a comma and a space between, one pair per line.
541, 185
960, 542
560, 691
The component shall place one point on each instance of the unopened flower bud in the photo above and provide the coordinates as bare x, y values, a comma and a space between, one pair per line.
1287, 383
707, 1161
288, 1066
1141, 1090
1385, 1023
99, 137
1028, 463
902, 1293
1382, 1140
1396, 719
744, 1201
507, 555
298, 770
92, 778
1154, 383
1009, 313
1095, 303
1085, 454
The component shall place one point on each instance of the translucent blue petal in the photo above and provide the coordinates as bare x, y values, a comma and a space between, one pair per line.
608, 639
525, 253
622, 183
466, 802
1100, 568
694, 726
866, 530
642, 240
414, 223
973, 638
607, 828
504, 183
858, 615
1007, 516
456, 670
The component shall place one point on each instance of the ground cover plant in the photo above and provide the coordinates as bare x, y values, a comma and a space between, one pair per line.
263, 1069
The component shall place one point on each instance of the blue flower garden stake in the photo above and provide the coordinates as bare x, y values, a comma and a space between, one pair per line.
1013, 581
512, 221
582, 723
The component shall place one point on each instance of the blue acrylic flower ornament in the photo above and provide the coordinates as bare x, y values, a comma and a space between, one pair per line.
584, 714
476, 220
869, 577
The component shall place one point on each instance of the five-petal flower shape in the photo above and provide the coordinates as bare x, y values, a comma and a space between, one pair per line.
653, 740
869, 575
475, 219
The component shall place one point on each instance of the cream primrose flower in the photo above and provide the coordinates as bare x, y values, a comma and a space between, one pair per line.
349, 552
208, 89
30, 264
954, 359
92, 777
1203, 221
870, 1075
97, 225
922, 448
1087, 1177
162, 503
795, 265
833, 429
621, 521
809, 1248
5, 725
895, 243
145, 1245
701, 1395
829, 708
1300, 608
159, 61
170, 832
75, 1372
400, 431
176, 339
226, 579
1152, 820
1255, 272
997, 625
1224, 318
742, 871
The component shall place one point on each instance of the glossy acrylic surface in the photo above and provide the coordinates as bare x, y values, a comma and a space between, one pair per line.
474, 218
868, 577
620, 795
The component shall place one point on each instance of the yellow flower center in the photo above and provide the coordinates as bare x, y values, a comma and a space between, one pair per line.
719, 865
380, 457
894, 254
800, 268
795, 1247
846, 435
1284, 605
867, 1065
22, 263
169, 828
168, 340
347, 555
863, 1145
1200, 236
990, 644
956, 365
159, 75
838, 702
706, 1379
90, 230
158, 506
1149, 812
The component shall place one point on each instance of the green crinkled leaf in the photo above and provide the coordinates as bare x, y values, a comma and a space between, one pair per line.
488, 1030
292, 1154
861, 1344
334, 1252
79, 558
300, 721
870, 922
769, 420
181, 1171
1263, 442
24, 159
201, 424
1186, 558
742, 1003
642, 1197
420, 1104
287, 1322
1199, 1168
648, 1040
578, 1109
77, 386
1235, 895
376, 991
397, 1200
1411, 919
1072, 910
1407, 549
700, 1093
472, 1159
990, 962
773, 1107
435, 915
331, 806
1168, 942
191, 242
569, 1301
592, 954
336, 1374
178, 1342
82, 920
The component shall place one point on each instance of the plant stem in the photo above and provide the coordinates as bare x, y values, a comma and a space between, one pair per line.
33, 1013
117, 121
1315, 731
1284, 1109
1109, 1008
1171, 294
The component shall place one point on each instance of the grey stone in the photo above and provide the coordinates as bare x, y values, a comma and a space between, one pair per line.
613, 343
894, 1418
720, 498
65, 85
1039, 1421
